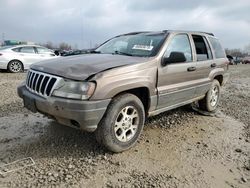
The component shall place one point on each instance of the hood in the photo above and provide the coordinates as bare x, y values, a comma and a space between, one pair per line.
81, 67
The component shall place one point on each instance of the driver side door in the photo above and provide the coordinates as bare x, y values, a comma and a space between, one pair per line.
176, 81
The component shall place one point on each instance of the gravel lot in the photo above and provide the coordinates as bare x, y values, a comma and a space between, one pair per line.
180, 148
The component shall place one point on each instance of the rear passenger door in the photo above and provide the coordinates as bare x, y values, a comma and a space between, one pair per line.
176, 80
28, 55
204, 58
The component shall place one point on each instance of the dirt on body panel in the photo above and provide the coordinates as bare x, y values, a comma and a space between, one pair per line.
180, 148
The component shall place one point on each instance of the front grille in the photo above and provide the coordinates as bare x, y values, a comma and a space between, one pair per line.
41, 83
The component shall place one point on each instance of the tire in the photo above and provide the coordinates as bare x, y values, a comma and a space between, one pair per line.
122, 123
15, 66
210, 101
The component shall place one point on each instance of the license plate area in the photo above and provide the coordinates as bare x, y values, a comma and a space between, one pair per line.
29, 104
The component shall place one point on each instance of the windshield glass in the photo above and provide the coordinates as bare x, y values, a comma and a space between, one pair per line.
142, 45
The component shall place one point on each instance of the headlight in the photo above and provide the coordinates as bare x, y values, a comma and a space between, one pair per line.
75, 90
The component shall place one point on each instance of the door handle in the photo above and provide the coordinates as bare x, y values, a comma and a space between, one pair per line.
189, 69
213, 65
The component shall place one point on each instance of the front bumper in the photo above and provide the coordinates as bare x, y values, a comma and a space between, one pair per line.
84, 115
3, 64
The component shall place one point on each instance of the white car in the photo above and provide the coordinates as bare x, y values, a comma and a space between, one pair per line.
18, 58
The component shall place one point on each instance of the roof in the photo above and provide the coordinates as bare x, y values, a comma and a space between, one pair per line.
23, 45
166, 31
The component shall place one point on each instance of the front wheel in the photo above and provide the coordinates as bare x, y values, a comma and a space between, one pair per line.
122, 123
210, 101
15, 66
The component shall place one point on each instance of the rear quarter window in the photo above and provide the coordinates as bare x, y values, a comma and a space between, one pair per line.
219, 52
42, 50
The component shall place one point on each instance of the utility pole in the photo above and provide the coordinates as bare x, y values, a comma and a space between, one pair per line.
3, 36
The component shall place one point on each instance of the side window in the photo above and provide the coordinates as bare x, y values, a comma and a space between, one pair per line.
209, 51
16, 49
218, 50
41, 50
27, 49
202, 48
180, 43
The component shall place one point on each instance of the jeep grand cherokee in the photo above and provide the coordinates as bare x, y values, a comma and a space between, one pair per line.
128, 78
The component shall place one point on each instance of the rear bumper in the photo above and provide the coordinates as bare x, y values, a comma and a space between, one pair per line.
84, 115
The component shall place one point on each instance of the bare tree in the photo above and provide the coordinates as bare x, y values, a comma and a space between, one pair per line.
49, 45
61, 46
235, 52
247, 49
64, 46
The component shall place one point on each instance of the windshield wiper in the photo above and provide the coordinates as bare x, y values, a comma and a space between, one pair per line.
122, 53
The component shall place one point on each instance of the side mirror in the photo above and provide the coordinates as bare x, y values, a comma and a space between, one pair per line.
175, 57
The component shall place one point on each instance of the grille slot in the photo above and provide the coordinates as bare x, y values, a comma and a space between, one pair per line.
41, 83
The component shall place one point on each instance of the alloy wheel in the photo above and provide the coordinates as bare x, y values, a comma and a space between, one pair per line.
126, 124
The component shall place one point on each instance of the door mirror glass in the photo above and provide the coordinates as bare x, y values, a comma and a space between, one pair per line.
174, 57
178, 50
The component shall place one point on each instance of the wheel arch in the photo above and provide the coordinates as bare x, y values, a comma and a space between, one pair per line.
219, 78
15, 60
142, 93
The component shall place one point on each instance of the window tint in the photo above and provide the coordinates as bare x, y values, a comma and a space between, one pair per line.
218, 50
42, 50
202, 49
27, 49
180, 43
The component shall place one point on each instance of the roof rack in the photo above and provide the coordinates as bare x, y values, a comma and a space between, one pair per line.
134, 33
165, 31
208, 33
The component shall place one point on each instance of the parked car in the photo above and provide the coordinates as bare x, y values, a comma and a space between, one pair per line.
75, 52
246, 60
127, 79
237, 60
230, 59
18, 58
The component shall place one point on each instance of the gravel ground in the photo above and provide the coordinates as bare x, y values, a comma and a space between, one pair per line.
179, 148
236, 95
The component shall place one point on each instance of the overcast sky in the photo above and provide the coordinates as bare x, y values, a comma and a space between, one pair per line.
87, 22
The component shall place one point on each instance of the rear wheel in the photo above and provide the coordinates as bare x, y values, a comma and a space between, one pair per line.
210, 101
15, 66
122, 124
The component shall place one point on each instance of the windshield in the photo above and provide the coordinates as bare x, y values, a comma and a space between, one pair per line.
142, 45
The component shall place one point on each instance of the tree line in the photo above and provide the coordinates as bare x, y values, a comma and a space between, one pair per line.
237, 52
60, 46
